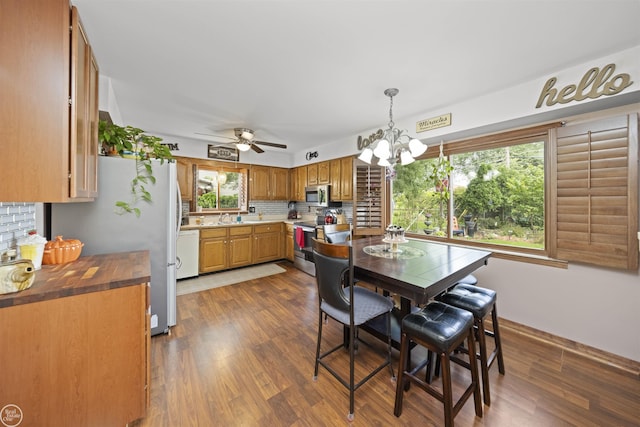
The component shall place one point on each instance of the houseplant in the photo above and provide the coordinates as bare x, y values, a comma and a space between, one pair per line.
131, 142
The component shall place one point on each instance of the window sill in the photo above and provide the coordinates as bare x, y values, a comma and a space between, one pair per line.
501, 253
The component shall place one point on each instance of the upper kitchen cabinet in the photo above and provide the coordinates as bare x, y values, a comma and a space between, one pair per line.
269, 183
49, 113
184, 168
324, 173
342, 179
298, 178
312, 174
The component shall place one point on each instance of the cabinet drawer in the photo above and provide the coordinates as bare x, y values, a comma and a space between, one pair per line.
267, 228
207, 233
240, 231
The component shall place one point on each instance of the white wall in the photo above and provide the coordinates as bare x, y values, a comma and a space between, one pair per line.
593, 306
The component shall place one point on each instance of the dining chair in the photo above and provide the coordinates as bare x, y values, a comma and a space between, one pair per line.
350, 305
337, 233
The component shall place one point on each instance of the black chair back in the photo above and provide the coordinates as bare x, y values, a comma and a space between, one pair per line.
333, 263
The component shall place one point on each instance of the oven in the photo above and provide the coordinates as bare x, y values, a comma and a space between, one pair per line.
303, 233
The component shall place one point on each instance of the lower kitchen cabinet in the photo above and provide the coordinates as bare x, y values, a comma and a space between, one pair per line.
288, 243
268, 242
76, 345
213, 249
240, 243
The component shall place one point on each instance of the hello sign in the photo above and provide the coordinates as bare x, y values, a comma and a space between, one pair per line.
594, 84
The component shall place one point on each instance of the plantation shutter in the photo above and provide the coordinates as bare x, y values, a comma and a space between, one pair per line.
596, 192
369, 200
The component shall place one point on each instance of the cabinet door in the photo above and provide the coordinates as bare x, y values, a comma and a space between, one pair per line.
260, 177
288, 243
84, 355
324, 173
302, 183
346, 174
213, 254
268, 247
279, 184
240, 251
35, 89
312, 174
83, 102
184, 169
293, 183
336, 180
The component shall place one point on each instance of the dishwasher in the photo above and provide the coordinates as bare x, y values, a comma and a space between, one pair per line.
187, 253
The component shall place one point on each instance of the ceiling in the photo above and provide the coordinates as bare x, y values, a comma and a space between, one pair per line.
310, 72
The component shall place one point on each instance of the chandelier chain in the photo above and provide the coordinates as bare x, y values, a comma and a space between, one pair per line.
391, 124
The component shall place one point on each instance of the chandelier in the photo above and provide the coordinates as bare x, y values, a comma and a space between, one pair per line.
395, 145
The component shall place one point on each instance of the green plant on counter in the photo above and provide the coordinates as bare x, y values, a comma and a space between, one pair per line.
207, 200
128, 141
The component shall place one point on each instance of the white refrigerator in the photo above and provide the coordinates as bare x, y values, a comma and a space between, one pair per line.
102, 230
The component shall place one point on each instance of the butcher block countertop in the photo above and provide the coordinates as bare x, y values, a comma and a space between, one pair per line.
84, 275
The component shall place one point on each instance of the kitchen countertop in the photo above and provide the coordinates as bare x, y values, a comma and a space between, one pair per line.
84, 275
215, 224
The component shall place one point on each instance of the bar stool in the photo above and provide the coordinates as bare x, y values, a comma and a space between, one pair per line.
440, 328
480, 302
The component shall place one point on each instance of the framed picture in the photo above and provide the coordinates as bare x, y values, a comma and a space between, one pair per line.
223, 152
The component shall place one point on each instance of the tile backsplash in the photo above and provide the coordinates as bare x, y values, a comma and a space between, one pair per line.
16, 220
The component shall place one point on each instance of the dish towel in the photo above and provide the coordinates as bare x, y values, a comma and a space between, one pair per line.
300, 237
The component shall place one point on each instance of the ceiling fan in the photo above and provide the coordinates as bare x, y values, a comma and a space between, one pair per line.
244, 140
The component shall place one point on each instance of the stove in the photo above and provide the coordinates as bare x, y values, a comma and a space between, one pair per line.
303, 233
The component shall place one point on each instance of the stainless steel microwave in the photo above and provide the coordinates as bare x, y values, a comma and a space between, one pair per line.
317, 195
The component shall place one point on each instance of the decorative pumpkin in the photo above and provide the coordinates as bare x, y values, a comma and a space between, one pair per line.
61, 251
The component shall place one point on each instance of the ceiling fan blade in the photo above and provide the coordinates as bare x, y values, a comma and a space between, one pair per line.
257, 149
216, 136
270, 144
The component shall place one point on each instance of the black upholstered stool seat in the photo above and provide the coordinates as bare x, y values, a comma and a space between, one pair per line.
469, 280
440, 328
480, 302
438, 324
475, 299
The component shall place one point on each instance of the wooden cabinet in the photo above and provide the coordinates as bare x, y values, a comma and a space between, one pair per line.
240, 244
213, 249
81, 359
49, 152
342, 179
336, 180
288, 242
346, 179
324, 173
269, 183
184, 169
279, 184
302, 183
267, 242
83, 137
312, 174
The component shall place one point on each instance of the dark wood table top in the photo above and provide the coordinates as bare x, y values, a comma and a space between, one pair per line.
421, 277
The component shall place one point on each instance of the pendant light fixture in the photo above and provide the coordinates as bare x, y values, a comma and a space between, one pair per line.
395, 145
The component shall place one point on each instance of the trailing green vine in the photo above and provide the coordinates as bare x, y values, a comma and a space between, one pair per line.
132, 142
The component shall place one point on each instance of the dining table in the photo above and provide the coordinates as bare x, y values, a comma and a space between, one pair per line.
416, 270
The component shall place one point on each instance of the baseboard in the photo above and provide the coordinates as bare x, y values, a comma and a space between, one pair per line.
595, 354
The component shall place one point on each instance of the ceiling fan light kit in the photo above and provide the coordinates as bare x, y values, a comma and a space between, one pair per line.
243, 140
395, 145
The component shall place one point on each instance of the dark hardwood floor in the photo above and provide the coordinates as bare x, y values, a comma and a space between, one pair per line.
242, 355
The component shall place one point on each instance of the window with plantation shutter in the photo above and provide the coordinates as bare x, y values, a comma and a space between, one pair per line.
596, 192
369, 200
